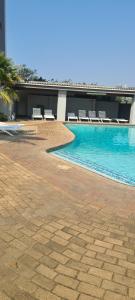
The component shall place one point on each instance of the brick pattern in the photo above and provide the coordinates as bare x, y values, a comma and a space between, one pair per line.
55, 249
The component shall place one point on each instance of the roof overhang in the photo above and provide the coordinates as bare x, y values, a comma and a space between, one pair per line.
84, 88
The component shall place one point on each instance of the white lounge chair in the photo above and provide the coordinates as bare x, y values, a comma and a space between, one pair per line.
5, 128
37, 113
102, 116
48, 114
120, 120
92, 116
72, 117
82, 115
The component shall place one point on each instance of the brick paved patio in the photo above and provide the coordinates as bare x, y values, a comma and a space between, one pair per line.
65, 233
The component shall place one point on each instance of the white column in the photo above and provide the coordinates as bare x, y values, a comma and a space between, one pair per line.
61, 105
132, 111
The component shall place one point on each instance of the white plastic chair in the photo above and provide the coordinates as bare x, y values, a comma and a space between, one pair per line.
5, 128
37, 113
102, 116
72, 117
120, 120
48, 114
82, 115
92, 116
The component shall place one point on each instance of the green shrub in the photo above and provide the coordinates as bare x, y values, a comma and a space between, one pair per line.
3, 117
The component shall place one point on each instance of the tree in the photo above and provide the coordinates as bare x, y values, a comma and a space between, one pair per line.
8, 77
68, 81
26, 73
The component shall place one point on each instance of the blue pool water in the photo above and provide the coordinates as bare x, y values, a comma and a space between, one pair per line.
108, 150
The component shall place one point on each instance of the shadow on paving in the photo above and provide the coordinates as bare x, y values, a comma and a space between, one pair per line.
25, 137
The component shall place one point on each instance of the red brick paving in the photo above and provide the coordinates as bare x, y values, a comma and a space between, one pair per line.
65, 232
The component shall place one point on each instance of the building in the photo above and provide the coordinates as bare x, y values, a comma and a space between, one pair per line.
2, 26
118, 102
67, 97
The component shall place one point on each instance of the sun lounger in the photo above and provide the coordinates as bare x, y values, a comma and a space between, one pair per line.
92, 116
72, 117
5, 128
102, 116
37, 113
120, 120
48, 114
82, 115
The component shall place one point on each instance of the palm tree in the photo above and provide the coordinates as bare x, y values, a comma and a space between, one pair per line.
8, 78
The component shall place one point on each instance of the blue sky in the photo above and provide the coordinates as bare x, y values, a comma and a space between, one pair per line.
82, 40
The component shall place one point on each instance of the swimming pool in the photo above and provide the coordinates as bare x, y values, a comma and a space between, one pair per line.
107, 150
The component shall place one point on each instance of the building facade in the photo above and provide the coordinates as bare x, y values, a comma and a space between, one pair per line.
2, 26
61, 98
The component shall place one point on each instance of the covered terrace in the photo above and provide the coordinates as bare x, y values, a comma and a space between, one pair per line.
118, 102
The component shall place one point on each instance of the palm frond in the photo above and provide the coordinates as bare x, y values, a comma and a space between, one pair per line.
5, 96
8, 78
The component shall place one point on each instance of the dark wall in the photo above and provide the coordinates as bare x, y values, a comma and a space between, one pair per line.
124, 111
31, 98
110, 107
21, 106
77, 103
